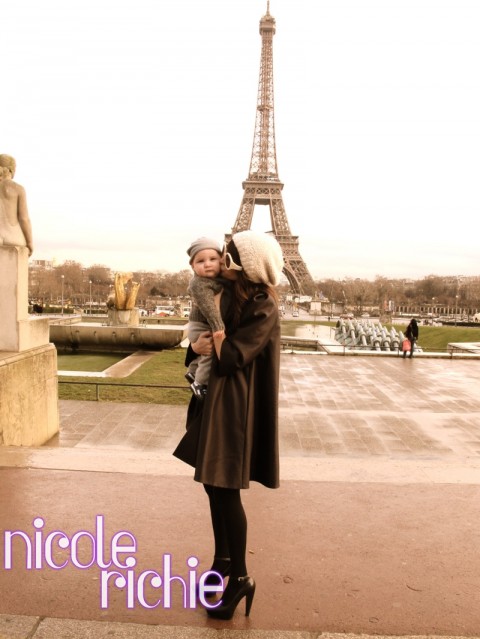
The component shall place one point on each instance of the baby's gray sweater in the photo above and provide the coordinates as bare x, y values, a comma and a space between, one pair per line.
203, 290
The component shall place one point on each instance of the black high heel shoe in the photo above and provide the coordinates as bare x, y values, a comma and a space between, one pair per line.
222, 565
242, 587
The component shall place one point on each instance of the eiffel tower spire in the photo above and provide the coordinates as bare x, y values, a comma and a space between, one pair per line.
263, 185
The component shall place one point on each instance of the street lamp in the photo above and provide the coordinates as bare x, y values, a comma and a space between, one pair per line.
63, 278
314, 313
90, 282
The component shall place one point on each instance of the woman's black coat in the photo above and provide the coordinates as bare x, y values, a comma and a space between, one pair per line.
412, 330
232, 437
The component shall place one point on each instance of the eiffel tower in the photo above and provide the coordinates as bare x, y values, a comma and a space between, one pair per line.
263, 185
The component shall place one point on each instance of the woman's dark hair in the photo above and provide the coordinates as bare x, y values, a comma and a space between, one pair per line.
243, 288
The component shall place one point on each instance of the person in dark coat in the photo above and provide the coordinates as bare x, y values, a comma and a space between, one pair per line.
232, 437
412, 334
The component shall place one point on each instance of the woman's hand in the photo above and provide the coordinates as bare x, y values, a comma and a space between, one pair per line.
204, 344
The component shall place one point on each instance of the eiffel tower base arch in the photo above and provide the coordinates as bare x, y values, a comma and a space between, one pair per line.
269, 193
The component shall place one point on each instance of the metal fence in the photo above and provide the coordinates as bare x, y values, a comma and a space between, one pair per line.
98, 385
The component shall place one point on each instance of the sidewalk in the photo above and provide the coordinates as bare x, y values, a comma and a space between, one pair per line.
375, 529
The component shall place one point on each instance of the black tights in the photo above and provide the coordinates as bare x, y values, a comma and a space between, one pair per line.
229, 527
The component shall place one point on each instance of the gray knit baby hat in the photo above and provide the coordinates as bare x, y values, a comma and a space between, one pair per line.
201, 244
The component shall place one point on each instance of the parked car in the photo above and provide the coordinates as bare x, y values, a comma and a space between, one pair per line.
295, 314
164, 311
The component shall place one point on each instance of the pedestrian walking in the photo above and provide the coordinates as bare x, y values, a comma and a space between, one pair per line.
412, 335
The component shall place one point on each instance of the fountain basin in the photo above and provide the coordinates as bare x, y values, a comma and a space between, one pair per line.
86, 336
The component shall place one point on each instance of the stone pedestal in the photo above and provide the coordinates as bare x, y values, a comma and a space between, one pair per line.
28, 362
18, 331
123, 318
29, 397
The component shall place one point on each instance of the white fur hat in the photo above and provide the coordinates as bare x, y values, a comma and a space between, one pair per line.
260, 255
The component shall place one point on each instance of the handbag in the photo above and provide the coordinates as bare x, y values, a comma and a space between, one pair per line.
406, 345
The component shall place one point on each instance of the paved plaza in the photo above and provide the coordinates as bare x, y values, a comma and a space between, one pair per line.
374, 530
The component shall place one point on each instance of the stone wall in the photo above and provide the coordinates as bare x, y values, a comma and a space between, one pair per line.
28, 397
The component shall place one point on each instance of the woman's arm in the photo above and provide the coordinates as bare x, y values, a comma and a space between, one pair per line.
258, 324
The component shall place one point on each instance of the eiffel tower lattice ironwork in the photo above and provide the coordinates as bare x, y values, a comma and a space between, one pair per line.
263, 185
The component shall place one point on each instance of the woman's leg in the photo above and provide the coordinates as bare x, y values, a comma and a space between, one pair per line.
229, 504
229, 524
218, 526
240, 585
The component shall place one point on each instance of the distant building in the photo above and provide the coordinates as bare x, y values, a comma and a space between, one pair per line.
41, 264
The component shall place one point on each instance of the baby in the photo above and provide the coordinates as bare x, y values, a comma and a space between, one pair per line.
205, 255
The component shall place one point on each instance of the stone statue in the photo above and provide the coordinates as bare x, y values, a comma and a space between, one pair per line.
125, 291
15, 225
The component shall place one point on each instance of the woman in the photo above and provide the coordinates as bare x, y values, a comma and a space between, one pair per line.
232, 437
412, 334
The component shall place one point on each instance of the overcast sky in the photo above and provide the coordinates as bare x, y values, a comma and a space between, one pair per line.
132, 126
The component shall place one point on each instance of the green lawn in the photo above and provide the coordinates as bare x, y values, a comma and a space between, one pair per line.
165, 368
437, 338
92, 362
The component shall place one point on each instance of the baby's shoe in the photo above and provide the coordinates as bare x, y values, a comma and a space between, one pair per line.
199, 390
